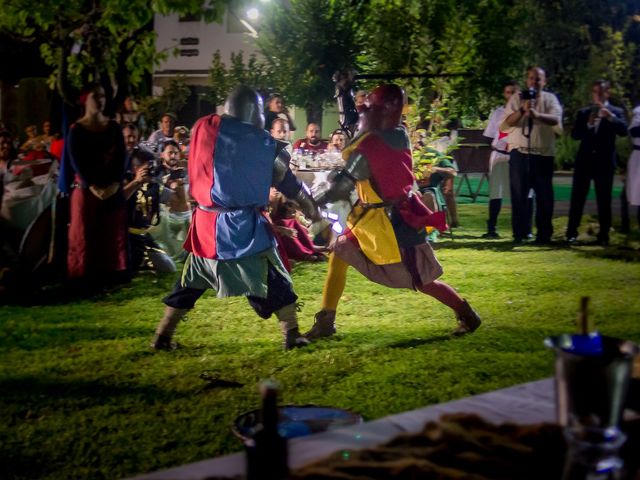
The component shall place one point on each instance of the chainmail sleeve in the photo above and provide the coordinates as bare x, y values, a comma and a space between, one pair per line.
344, 181
291, 187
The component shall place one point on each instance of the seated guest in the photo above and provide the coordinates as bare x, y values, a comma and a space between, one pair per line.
143, 210
277, 109
293, 236
128, 112
443, 173
27, 185
181, 137
33, 140
46, 138
312, 143
280, 130
164, 133
131, 137
337, 141
175, 208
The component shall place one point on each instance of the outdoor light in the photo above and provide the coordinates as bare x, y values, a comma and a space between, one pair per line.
253, 13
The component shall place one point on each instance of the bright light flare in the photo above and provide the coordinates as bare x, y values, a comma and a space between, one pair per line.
253, 14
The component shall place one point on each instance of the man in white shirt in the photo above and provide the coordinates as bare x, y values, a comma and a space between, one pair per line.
164, 133
533, 119
499, 161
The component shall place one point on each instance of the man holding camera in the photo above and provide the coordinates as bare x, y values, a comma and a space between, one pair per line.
532, 119
596, 127
142, 192
175, 206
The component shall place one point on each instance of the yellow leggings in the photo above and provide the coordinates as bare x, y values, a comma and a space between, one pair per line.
335, 283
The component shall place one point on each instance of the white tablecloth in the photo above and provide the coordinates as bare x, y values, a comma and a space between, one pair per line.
318, 181
524, 404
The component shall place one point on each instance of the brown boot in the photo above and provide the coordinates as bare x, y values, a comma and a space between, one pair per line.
324, 325
468, 320
167, 327
288, 320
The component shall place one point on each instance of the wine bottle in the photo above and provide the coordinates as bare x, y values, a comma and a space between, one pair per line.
267, 449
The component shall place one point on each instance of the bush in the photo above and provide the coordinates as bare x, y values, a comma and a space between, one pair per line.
566, 151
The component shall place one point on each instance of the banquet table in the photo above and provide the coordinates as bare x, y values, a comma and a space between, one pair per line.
313, 178
527, 403
317, 179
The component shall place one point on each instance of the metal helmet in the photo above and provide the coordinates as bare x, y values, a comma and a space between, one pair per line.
383, 107
245, 104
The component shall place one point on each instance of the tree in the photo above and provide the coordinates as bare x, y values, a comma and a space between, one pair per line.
87, 41
173, 98
304, 43
443, 36
578, 41
223, 79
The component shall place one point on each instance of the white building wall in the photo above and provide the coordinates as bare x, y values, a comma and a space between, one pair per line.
227, 37
210, 37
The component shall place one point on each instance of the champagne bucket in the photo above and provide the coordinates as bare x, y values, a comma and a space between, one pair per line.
591, 389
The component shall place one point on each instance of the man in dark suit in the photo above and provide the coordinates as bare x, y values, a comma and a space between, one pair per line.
596, 127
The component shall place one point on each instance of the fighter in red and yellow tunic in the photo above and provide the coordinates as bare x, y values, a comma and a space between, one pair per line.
385, 238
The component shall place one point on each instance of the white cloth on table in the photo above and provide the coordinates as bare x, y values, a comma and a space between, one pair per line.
25, 197
318, 182
528, 403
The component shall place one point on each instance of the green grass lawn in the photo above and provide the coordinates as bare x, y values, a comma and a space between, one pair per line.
83, 397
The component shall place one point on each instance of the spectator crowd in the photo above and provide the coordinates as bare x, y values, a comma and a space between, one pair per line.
129, 205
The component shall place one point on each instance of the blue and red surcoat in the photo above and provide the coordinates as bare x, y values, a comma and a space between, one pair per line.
230, 181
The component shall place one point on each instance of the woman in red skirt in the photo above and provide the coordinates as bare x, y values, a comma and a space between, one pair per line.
95, 153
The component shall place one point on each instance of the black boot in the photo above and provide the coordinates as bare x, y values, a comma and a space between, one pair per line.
288, 320
495, 204
323, 326
468, 320
167, 327
294, 339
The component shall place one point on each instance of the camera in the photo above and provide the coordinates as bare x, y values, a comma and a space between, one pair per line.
529, 94
142, 155
595, 110
177, 174
155, 168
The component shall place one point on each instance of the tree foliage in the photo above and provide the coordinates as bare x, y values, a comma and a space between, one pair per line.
222, 78
173, 98
304, 43
579, 41
492, 41
103, 39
